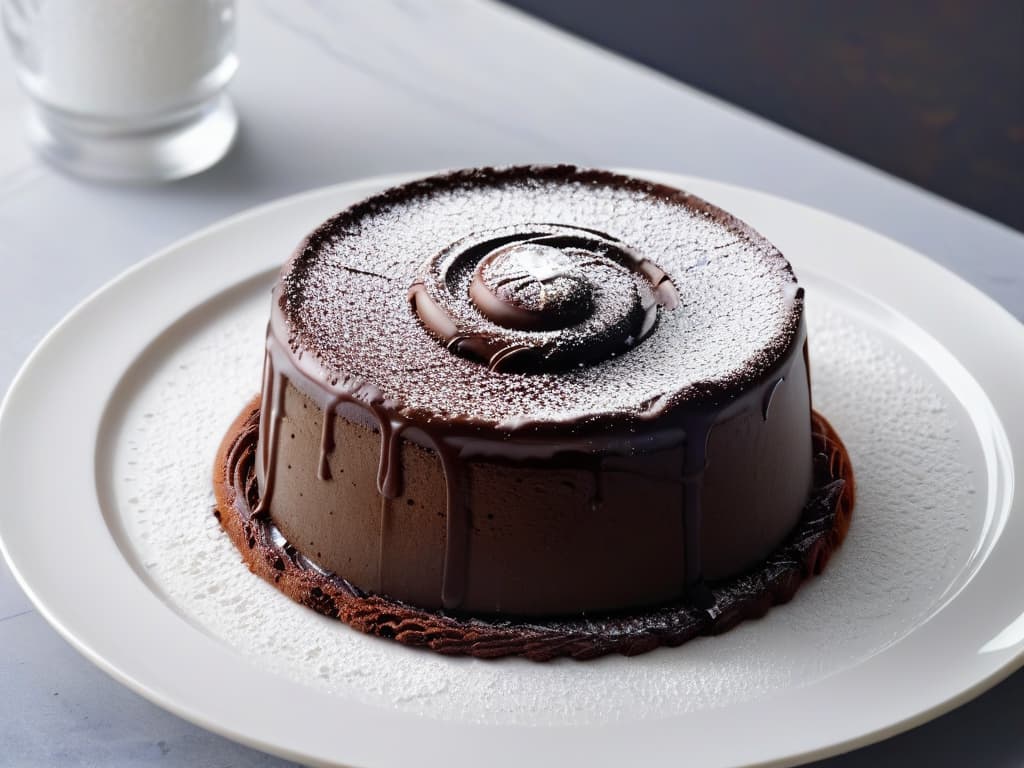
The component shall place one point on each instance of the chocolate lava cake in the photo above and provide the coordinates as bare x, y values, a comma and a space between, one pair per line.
535, 411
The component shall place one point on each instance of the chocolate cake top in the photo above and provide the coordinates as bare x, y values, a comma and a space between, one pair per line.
533, 295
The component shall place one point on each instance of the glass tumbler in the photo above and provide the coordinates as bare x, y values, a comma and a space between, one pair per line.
126, 90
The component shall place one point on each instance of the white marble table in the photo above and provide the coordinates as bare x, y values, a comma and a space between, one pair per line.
330, 91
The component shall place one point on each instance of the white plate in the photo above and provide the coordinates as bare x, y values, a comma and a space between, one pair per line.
106, 438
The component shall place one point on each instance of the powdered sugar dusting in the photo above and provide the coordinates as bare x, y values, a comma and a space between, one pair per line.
346, 295
916, 520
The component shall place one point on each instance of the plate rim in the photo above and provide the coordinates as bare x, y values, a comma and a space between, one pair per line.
980, 300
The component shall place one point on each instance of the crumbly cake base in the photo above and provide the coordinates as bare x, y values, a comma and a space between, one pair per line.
821, 529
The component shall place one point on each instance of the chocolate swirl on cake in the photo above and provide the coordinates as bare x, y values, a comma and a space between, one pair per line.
543, 297
603, 338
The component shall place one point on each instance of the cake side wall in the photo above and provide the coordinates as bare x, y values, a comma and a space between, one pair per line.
745, 519
578, 535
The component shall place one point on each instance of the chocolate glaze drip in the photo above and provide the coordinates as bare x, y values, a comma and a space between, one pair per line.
545, 297
326, 437
389, 471
821, 529
807, 367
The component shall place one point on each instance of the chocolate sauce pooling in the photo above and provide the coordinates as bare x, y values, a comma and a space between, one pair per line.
593, 314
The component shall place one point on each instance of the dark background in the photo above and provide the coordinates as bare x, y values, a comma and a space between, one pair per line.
929, 90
